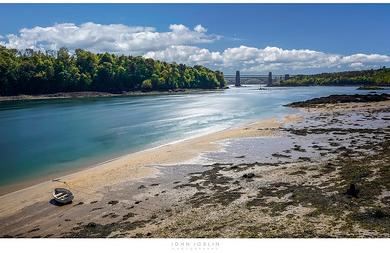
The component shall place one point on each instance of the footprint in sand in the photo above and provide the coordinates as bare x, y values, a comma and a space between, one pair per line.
127, 216
111, 215
33, 230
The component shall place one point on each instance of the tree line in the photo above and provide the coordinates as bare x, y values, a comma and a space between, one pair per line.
364, 77
35, 72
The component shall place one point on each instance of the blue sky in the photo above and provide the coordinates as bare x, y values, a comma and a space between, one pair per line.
250, 37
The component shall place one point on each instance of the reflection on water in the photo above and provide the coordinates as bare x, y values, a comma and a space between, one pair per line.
41, 137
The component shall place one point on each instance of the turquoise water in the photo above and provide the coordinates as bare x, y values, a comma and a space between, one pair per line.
49, 136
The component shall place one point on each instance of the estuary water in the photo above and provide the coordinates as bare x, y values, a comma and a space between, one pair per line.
43, 137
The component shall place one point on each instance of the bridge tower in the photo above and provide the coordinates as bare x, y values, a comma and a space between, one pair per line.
238, 84
269, 79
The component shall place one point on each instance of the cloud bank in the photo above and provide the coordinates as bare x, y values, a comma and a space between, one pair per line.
251, 59
182, 44
116, 38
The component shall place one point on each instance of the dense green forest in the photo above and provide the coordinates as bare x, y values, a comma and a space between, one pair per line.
34, 72
363, 77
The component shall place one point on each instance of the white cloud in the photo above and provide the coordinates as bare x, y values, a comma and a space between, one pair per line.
356, 65
251, 59
200, 29
181, 44
365, 58
116, 38
186, 54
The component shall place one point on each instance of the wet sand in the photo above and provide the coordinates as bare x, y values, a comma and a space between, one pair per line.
274, 178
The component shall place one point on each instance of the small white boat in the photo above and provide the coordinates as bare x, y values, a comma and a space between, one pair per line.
62, 195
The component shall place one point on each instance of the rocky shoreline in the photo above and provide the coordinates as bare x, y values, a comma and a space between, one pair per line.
96, 94
335, 99
295, 182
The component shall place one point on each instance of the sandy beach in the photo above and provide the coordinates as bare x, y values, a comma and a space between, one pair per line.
273, 178
131, 167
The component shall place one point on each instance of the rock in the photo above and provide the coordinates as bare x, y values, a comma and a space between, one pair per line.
248, 175
379, 214
335, 99
91, 225
352, 191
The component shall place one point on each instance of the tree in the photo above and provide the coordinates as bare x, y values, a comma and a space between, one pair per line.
146, 85
35, 72
364, 77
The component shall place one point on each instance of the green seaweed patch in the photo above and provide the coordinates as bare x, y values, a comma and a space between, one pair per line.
282, 229
377, 218
96, 230
223, 197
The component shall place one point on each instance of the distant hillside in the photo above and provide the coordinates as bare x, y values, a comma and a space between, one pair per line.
376, 77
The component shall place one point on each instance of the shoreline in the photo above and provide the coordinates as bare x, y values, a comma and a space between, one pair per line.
384, 86
31, 182
134, 166
294, 170
326, 101
97, 94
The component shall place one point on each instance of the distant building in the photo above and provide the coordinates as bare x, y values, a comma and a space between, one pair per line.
238, 78
286, 76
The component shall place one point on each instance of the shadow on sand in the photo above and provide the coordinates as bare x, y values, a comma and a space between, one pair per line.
55, 203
